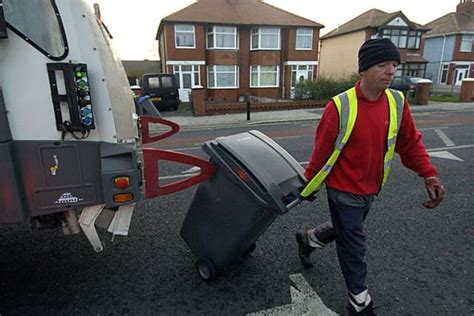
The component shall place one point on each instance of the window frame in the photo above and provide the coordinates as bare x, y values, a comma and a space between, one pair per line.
412, 70
304, 35
403, 37
466, 40
444, 73
259, 35
294, 70
215, 34
215, 73
181, 31
259, 74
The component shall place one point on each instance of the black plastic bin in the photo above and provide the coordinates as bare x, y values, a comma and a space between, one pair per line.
255, 181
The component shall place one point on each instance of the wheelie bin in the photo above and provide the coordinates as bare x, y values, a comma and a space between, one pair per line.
255, 180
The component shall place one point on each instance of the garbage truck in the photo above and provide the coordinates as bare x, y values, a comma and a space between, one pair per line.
73, 144
71, 154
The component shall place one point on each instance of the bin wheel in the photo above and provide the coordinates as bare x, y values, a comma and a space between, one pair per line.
249, 250
206, 269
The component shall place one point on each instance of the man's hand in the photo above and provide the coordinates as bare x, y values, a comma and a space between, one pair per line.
435, 192
309, 198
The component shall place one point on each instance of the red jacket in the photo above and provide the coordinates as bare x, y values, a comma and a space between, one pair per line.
359, 168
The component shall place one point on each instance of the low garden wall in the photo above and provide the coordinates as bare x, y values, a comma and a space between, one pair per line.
215, 108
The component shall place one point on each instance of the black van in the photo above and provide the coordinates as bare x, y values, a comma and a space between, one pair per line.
162, 89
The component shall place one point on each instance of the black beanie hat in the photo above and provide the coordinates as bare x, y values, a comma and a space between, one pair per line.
375, 51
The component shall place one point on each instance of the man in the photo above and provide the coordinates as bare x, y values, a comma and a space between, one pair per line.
356, 138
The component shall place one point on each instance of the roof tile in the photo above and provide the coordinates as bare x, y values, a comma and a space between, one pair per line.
238, 12
372, 18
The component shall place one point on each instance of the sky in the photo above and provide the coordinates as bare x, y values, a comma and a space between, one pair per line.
134, 24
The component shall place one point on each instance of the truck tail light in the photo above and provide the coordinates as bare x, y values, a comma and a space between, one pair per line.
122, 183
123, 197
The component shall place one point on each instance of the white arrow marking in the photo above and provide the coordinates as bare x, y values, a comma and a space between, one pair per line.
444, 154
444, 138
304, 301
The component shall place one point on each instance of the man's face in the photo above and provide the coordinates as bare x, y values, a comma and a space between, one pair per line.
380, 75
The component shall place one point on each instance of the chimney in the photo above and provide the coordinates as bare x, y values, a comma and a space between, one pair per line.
465, 6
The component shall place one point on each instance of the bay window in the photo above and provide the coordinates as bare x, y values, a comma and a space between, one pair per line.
222, 76
222, 37
265, 38
466, 43
263, 76
403, 38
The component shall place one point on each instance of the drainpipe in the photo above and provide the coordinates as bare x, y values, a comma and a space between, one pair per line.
441, 60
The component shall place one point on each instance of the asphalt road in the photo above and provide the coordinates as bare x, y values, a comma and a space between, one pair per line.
420, 261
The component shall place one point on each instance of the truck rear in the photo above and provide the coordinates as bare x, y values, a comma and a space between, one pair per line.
68, 127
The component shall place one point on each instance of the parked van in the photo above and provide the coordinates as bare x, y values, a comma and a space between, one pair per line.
162, 89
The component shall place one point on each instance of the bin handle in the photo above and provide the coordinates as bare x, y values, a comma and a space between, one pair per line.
293, 203
151, 156
145, 121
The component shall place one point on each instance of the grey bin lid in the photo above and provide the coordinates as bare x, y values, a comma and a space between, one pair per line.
276, 172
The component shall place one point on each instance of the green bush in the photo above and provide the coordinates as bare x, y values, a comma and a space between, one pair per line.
323, 88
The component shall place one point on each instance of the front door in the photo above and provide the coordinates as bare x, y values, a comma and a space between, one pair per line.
187, 77
300, 73
462, 71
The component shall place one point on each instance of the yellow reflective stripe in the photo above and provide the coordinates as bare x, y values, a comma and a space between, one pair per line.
395, 102
318, 179
346, 104
351, 93
337, 103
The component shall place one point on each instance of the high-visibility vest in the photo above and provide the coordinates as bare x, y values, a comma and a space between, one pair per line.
346, 104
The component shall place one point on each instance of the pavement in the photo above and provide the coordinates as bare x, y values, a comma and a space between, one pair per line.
188, 121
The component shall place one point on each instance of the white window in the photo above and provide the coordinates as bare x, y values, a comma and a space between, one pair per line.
184, 36
466, 43
265, 38
263, 76
222, 76
304, 38
444, 74
222, 37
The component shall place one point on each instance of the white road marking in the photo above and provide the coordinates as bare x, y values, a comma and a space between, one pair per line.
454, 147
304, 301
444, 138
444, 154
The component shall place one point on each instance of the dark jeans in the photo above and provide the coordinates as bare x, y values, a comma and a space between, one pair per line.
348, 212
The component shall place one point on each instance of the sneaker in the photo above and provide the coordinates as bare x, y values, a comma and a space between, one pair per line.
304, 249
367, 311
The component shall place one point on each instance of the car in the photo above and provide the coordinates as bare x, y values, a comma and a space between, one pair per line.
162, 89
405, 84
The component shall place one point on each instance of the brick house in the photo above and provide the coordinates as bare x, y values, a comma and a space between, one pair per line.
449, 46
339, 47
238, 47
